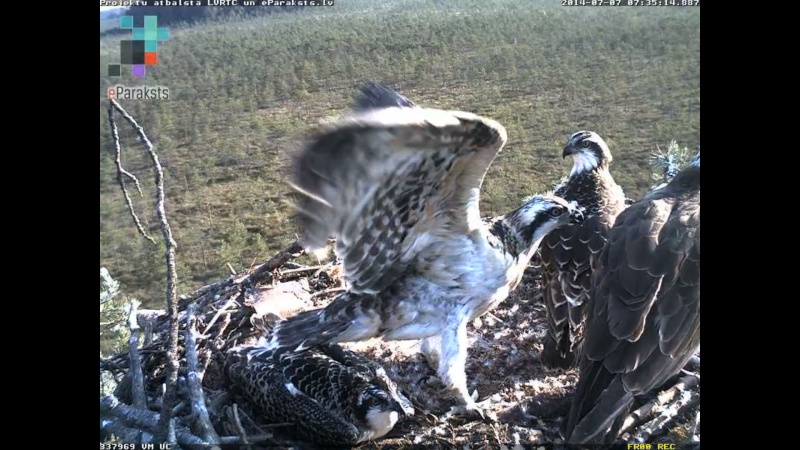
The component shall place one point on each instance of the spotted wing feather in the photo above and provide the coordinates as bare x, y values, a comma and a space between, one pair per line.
389, 182
567, 258
374, 95
298, 391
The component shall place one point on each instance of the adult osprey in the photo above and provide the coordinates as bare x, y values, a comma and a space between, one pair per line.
328, 395
643, 322
568, 254
399, 187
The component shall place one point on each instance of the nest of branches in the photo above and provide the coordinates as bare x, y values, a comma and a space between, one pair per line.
211, 320
217, 317
171, 387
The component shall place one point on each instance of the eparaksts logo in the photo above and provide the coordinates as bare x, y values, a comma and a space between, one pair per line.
120, 92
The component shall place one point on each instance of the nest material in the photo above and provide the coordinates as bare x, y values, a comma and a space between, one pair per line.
503, 365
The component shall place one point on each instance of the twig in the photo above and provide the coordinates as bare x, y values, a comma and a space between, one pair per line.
168, 399
265, 270
147, 319
231, 301
231, 269
301, 270
137, 377
328, 291
645, 411
695, 434
233, 440
144, 419
239, 426
193, 378
659, 425
121, 171
125, 433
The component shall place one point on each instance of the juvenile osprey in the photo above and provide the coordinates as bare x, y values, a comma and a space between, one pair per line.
330, 395
568, 254
643, 322
399, 187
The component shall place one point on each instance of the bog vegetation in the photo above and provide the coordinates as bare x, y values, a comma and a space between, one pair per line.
245, 88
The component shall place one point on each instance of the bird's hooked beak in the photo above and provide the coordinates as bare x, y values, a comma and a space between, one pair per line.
403, 410
569, 150
576, 215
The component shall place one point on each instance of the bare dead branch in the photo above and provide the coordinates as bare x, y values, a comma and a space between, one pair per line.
233, 440
301, 270
265, 270
127, 434
239, 427
647, 410
231, 269
228, 304
147, 319
660, 424
169, 397
137, 377
122, 172
143, 419
328, 292
194, 380
696, 428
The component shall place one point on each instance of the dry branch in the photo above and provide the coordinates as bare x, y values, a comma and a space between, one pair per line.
137, 378
194, 378
121, 173
143, 419
647, 410
329, 292
169, 396
670, 401
660, 424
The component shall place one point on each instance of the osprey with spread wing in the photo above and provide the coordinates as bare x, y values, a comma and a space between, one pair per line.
398, 186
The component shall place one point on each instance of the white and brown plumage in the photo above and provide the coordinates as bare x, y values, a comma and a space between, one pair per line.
568, 253
328, 395
399, 188
643, 321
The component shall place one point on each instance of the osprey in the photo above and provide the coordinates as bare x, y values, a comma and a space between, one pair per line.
399, 188
568, 254
643, 320
329, 395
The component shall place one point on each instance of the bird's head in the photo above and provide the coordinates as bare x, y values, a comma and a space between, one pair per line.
588, 150
542, 214
380, 405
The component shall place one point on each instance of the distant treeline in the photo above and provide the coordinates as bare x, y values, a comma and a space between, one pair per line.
171, 15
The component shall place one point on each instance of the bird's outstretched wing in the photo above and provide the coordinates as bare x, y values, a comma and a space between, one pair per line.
389, 182
644, 321
374, 95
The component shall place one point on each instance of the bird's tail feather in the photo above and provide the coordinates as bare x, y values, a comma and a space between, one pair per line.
305, 330
557, 355
601, 400
374, 95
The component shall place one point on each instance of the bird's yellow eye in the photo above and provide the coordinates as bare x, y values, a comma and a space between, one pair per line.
585, 144
555, 212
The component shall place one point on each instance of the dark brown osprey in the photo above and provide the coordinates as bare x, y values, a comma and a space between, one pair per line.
569, 252
643, 320
399, 187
